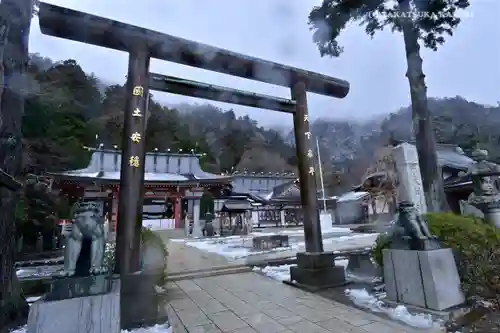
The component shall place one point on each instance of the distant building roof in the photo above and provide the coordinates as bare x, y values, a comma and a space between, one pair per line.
458, 182
159, 167
254, 199
451, 156
260, 184
352, 196
236, 206
288, 190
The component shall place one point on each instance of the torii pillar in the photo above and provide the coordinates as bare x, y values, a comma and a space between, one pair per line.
315, 268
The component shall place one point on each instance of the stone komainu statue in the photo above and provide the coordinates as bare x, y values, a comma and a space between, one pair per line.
411, 230
87, 223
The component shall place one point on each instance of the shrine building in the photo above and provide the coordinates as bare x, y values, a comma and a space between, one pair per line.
174, 184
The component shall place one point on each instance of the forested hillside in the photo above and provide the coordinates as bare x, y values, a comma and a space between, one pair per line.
350, 146
456, 121
69, 110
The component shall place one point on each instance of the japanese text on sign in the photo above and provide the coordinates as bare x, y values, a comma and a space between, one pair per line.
136, 137
137, 113
138, 91
134, 161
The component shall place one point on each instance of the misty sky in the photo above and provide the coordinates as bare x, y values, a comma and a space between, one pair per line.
277, 30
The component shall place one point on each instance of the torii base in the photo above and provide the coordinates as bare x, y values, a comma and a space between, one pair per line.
317, 271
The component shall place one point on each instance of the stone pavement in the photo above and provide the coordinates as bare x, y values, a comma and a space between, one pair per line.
182, 258
249, 302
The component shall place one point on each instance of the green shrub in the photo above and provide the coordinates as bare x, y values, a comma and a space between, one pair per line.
476, 246
382, 242
109, 256
147, 236
150, 237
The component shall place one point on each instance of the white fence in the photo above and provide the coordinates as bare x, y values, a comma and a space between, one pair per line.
159, 224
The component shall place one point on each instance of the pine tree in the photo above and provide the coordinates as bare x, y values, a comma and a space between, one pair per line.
419, 21
15, 21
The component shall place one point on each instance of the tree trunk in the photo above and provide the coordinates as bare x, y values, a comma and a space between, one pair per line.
15, 19
432, 180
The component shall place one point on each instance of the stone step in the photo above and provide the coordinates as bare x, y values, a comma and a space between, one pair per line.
213, 268
208, 273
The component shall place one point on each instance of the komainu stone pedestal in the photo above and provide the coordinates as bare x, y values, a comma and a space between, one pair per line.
76, 305
317, 271
141, 304
92, 305
427, 279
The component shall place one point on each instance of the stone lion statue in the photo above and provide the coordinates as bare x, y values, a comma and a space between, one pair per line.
411, 230
87, 223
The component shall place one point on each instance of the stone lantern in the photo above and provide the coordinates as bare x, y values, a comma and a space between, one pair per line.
486, 194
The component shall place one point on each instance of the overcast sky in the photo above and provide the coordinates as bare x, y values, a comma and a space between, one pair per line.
277, 30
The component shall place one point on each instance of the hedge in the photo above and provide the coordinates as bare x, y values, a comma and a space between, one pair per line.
147, 236
476, 246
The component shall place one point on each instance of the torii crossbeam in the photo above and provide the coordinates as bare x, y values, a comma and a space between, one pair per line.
142, 45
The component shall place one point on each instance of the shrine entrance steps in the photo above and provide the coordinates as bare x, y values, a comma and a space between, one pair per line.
203, 273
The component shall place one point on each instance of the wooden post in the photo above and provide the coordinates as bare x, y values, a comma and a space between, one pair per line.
131, 193
177, 211
307, 173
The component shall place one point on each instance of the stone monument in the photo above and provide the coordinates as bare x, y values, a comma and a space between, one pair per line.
84, 299
417, 271
197, 228
486, 195
208, 229
409, 187
247, 221
188, 225
326, 222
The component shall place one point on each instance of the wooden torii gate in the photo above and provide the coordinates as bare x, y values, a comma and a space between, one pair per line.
143, 44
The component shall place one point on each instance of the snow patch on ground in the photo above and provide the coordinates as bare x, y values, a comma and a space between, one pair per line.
165, 328
238, 247
154, 329
33, 299
278, 273
301, 231
363, 299
177, 240
233, 248
39, 271
282, 272
288, 232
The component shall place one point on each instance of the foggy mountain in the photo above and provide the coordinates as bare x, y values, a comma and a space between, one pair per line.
352, 144
235, 142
